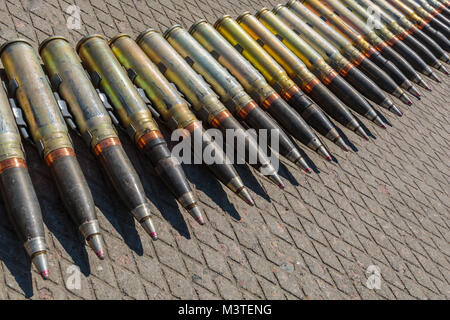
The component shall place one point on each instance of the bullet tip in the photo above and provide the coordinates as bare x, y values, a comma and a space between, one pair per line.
41, 262
323, 152
383, 126
154, 236
329, 158
196, 213
45, 274
346, 149
435, 78
95, 241
101, 254
244, 195
276, 180
308, 170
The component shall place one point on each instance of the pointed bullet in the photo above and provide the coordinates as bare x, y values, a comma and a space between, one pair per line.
245, 195
96, 243
41, 262
360, 132
395, 110
147, 224
301, 163
404, 98
434, 77
414, 92
196, 213
340, 142
323, 152
423, 84
275, 178
379, 122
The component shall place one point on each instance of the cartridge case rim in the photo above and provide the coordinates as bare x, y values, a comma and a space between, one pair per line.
221, 20
195, 25
144, 33
116, 37
167, 33
50, 39
278, 7
242, 15
260, 12
86, 38
10, 42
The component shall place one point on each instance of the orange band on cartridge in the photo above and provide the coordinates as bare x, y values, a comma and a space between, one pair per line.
106, 143
266, 103
358, 60
327, 79
370, 52
12, 163
402, 35
243, 113
346, 69
219, 118
422, 24
310, 85
59, 153
393, 40
193, 126
381, 46
412, 30
289, 93
148, 137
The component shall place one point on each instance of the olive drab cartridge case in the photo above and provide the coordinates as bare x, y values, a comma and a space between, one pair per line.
393, 41
404, 36
422, 24
135, 118
29, 85
428, 17
256, 85
203, 99
17, 189
371, 36
357, 40
345, 47
344, 67
440, 7
316, 64
69, 78
234, 97
435, 12
173, 109
412, 29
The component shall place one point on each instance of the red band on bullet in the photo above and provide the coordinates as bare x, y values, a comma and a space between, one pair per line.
59, 153
412, 30
269, 100
381, 46
148, 137
393, 41
289, 93
310, 85
402, 35
358, 60
243, 113
12, 163
346, 69
106, 143
193, 126
422, 24
327, 79
370, 52
219, 118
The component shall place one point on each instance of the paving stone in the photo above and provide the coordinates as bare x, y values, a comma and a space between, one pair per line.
387, 204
